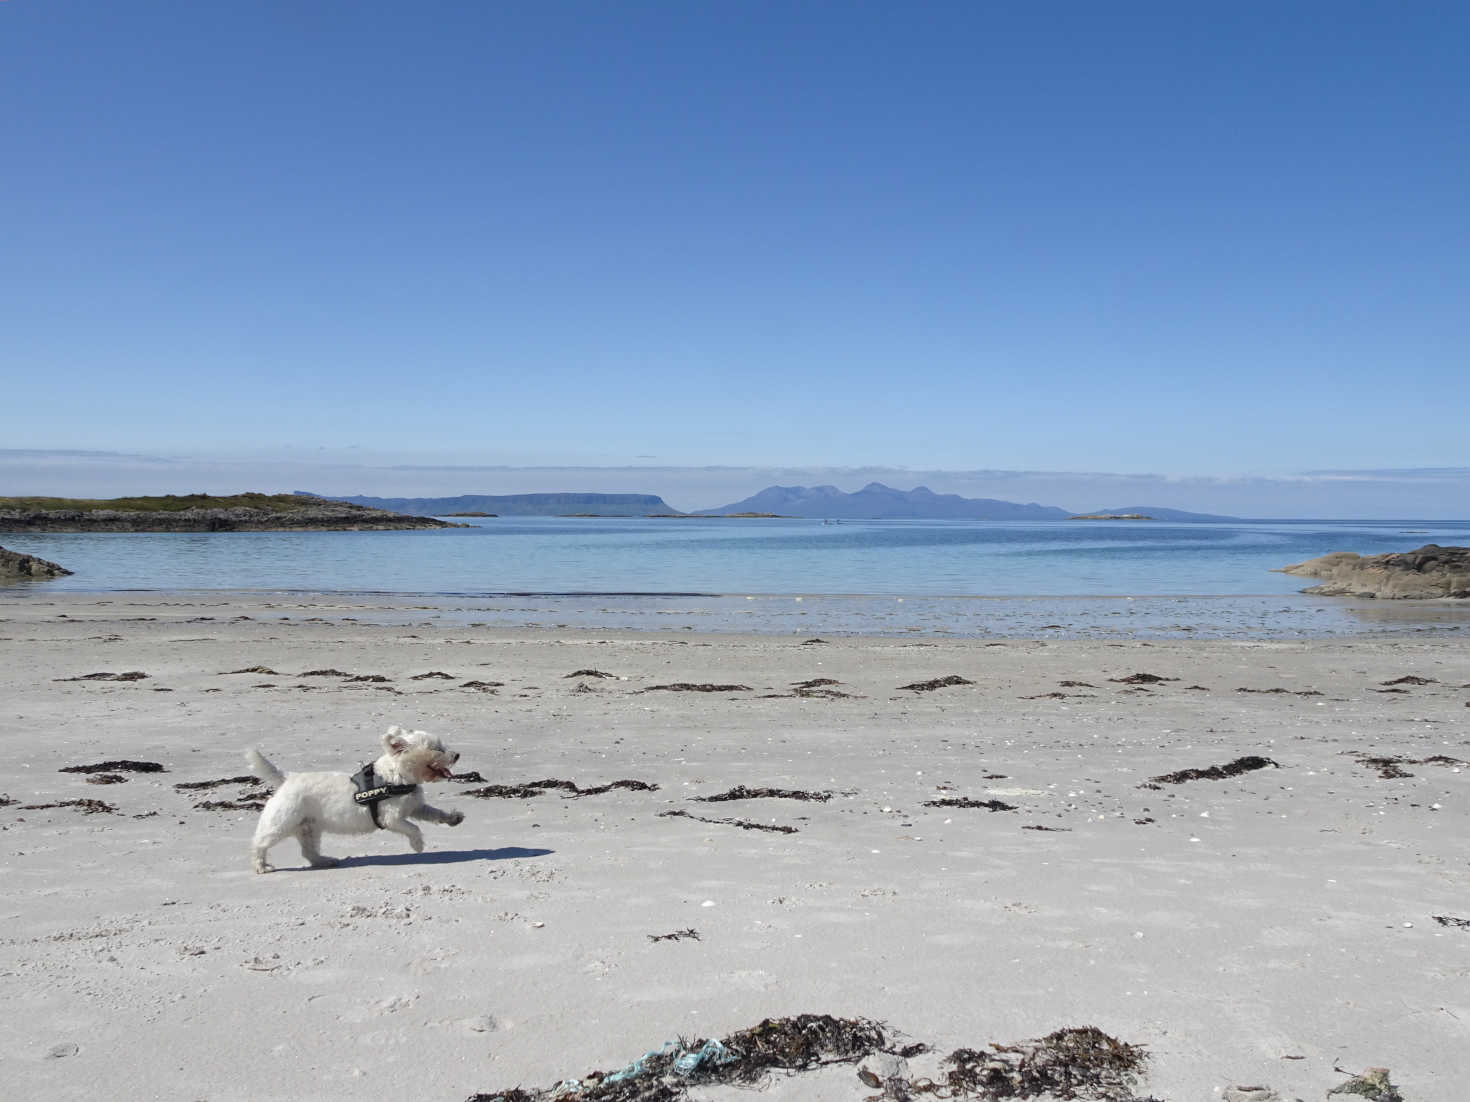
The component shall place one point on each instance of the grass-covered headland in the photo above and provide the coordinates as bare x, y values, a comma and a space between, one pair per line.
248, 512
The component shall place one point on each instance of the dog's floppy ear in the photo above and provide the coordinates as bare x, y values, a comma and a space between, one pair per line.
396, 740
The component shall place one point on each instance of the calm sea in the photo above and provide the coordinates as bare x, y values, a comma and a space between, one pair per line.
960, 577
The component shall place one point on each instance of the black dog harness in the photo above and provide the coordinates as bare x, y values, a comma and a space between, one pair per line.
370, 793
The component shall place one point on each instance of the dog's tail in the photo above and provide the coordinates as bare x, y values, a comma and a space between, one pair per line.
267, 772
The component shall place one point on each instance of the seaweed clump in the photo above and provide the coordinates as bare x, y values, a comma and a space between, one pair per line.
1390, 768
87, 807
966, 801
1218, 772
1071, 1063
120, 766
1373, 1084
131, 675
793, 1044
740, 792
937, 683
538, 788
197, 786
743, 824
1083, 1063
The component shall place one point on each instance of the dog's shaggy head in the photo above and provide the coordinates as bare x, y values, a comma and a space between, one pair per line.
417, 756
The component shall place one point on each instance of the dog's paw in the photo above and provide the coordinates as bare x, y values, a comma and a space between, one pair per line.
454, 818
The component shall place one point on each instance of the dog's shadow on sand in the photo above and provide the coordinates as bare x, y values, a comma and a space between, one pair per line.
444, 857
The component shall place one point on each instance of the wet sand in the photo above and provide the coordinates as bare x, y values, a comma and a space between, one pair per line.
990, 864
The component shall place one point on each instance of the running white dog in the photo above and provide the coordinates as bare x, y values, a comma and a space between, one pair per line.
384, 795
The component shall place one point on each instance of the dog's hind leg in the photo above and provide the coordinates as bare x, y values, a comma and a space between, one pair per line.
260, 846
310, 837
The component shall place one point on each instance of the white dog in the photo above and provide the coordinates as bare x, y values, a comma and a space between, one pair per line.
384, 795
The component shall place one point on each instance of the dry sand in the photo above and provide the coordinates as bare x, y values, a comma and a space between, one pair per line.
1264, 928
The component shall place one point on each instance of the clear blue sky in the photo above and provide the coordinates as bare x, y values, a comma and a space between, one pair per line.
1164, 237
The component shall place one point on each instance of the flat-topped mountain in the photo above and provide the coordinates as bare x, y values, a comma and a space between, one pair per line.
519, 505
199, 513
876, 501
1154, 512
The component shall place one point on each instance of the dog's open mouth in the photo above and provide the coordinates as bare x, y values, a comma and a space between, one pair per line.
440, 772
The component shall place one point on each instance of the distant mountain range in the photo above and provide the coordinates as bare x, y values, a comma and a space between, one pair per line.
516, 505
874, 501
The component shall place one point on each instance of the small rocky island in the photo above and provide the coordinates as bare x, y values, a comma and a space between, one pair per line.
1430, 571
14, 565
250, 512
1111, 516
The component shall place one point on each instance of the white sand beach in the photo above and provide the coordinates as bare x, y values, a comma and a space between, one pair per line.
1264, 928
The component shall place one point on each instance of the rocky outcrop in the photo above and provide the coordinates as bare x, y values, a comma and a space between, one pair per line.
15, 565
1428, 572
326, 517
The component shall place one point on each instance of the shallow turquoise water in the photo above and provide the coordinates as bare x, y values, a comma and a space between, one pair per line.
906, 558
891, 577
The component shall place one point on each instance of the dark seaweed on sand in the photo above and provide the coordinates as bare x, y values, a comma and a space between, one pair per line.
743, 824
131, 675
677, 935
121, 766
1070, 1063
195, 786
966, 801
1410, 679
1082, 1063
937, 683
1141, 679
483, 686
1280, 691
690, 687
472, 777
246, 802
1390, 768
505, 792
538, 788
598, 790
89, 807
6, 801
740, 792
325, 673
590, 673
1450, 920
255, 669
1218, 772
438, 674
787, 1044
107, 778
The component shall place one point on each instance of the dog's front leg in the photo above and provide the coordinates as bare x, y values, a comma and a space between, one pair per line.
414, 835
436, 815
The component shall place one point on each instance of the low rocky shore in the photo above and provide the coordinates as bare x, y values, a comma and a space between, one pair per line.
326, 517
15, 565
1429, 572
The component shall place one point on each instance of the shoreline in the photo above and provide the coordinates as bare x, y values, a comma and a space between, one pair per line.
1102, 616
1264, 927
